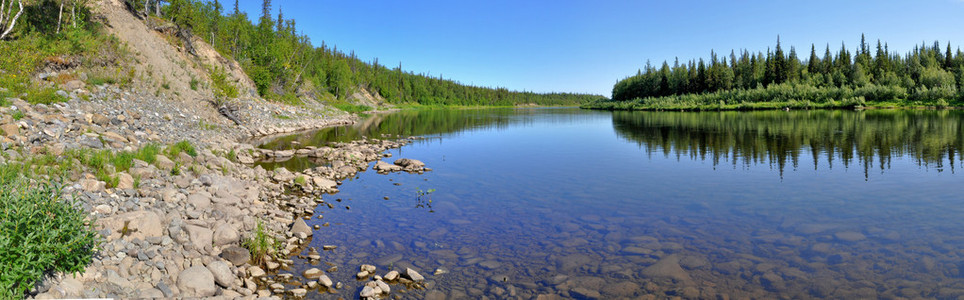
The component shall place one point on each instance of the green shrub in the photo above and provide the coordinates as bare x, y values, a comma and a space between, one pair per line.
42, 232
223, 89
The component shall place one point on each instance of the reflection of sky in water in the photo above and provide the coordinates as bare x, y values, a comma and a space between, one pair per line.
562, 194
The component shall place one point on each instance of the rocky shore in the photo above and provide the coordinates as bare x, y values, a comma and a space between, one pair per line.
176, 227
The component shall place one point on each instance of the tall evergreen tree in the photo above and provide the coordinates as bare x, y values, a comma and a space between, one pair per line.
813, 64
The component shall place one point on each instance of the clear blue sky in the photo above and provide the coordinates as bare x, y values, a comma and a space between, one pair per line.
586, 46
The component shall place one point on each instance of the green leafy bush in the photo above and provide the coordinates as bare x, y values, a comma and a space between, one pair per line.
42, 232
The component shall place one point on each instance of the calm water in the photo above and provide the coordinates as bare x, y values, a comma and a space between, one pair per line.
825, 204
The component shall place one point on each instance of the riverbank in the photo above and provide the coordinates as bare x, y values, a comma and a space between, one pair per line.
857, 103
174, 224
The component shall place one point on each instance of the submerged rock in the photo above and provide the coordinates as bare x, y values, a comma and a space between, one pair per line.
668, 267
413, 275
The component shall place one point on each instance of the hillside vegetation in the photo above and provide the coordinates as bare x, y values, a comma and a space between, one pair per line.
40, 41
286, 66
926, 76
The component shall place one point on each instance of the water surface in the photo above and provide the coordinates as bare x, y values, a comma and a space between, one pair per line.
575, 203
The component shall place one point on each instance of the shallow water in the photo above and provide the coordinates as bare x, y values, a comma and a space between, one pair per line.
824, 204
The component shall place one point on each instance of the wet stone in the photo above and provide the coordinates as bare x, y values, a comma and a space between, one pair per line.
850, 236
392, 275
490, 264
312, 273
584, 293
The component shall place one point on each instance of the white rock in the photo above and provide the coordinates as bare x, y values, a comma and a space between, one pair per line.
312, 273
196, 281
413, 275
325, 281
225, 234
367, 292
222, 273
391, 276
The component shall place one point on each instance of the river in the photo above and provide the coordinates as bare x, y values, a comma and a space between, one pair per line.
595, 204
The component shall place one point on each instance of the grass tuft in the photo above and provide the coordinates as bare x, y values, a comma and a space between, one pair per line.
260, 244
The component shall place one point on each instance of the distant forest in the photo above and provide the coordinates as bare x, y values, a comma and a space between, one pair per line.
286, 66
927, 75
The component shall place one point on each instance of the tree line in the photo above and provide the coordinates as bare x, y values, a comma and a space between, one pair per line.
926, 73
285, 65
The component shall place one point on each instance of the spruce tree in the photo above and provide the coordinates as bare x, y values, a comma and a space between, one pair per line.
813, 65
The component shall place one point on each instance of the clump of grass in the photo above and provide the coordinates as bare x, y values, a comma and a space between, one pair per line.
98, 80
352, 108
42, 232
183, 146
17, 115
194, 83
301, 180
176, 170
233, 156
260, 244
108, 177
206, 126
148, 153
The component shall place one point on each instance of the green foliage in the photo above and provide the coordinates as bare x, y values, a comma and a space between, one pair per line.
148, 153
107, 177
35, 43
103, 163
261, 244
183, 146
284, 65
42, 232
925, 75
194, 83
223, 89
353, 108
176, 170
17, 115
232, 156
